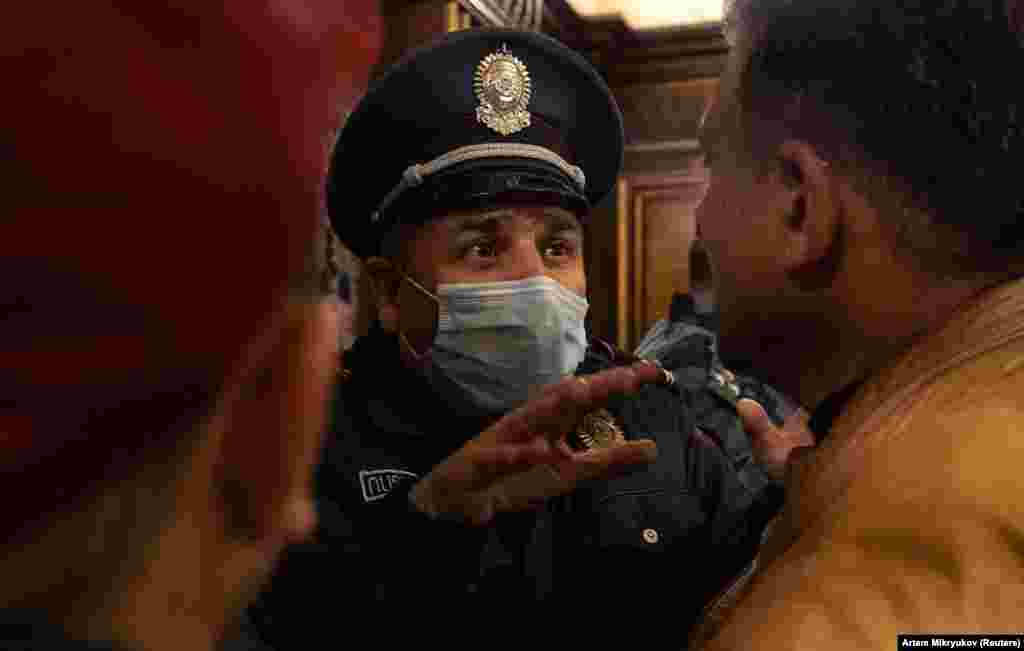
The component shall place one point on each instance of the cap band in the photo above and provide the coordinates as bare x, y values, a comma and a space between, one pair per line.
415, 174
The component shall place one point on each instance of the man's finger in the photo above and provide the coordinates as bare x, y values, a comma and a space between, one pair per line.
453, 487
755, 420
555, 412
525, 422
532, 489
606, 463
622, 380
796, 428
485, 464
773, 446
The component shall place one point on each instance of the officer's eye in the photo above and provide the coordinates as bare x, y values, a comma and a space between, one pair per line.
560, 248
481, 249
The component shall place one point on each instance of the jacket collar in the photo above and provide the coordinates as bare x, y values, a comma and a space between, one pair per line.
816, 480
990, 321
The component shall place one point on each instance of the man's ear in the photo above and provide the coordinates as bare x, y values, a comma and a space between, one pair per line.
274, 431
384, 283
813, 228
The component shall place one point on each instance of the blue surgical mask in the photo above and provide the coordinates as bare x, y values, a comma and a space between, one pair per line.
502, 341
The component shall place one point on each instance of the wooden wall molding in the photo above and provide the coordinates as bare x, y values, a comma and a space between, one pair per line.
627, 57
524, 14
686, 146
663, 113
488, 12
654, 230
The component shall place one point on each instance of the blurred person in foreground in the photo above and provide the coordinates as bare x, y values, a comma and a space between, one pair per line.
158, 253
169, 326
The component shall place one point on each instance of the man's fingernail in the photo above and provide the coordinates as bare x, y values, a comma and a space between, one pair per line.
751, 404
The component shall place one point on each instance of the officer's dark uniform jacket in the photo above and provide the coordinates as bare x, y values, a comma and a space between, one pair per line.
655, 544
687, 342
23, 630
35, 631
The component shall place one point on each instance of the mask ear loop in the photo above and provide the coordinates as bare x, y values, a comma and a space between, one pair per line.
432, 305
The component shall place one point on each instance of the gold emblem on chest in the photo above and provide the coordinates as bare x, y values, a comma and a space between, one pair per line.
597, 430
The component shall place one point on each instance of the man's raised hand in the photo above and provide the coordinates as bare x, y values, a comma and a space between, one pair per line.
524, 459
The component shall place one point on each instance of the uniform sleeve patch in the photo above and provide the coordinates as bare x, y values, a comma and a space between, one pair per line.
376, 484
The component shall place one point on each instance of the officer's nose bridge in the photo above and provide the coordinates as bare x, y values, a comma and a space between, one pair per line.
525, 251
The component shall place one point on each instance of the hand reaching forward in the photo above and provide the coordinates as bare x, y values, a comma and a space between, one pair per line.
774, 445
523, 459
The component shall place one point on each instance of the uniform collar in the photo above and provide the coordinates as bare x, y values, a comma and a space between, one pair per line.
682, 308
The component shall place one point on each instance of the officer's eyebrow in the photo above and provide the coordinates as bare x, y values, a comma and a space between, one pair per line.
557, 221
486, 222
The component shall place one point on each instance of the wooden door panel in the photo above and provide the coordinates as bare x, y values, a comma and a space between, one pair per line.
656, 229
664, 229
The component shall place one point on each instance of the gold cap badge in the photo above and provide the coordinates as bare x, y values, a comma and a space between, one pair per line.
502, 85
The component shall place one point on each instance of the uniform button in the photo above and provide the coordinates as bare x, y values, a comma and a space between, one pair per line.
650, 536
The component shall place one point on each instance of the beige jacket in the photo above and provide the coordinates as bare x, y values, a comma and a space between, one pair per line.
909, 517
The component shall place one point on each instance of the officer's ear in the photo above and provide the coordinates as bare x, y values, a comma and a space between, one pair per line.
384, 282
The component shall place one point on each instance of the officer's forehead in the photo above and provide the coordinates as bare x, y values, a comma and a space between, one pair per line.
553, 218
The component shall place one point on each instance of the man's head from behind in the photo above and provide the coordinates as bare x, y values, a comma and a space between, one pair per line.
861, 153
166, 341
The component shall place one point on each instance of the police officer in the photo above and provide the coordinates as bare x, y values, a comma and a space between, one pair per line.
464, 180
